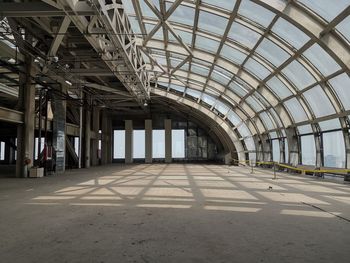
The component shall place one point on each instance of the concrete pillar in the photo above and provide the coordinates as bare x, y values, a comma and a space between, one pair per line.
293, 146
87, 137
128, 141
167, 126
25, 132
106, 145
148, 141
94, 142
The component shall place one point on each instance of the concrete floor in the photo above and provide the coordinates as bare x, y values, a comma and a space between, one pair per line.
173, 213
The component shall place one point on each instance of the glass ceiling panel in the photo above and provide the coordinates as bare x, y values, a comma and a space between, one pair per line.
344, 28
243, 130
134, 25
207, 44
249, 143
225, 4
233, 54
208, 99
256, 13
290, 33
219, 77
329, 125
238, 89
341, 86
272, 52
182, 15
326, 9
243, 35
193, 93
276, 117
212, 23
261, 99
319, 102
233, 118
321, 60
222, 107
267, 121
146, 11
277, 86
304, 129
296, 110
177, 87
255, 105
298, 75
204, 71
185, 36
128, 7
257, 69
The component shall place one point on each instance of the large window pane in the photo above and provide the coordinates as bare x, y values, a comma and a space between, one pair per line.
139, 144
243, 35
308, 150
341, 85
319, 102
276, 150
158, 143
119, 144
298, 75
256, 13
178, 143
277, 86
296, 110
272, 53
221, 3
212, 23
326, 9
334, 149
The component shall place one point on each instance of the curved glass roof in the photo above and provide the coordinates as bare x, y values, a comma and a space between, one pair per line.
263, 65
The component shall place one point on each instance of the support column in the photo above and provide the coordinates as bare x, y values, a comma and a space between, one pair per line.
87, 137
106, 145
148, 141
128, 141
25, 132
167, 126
95, 128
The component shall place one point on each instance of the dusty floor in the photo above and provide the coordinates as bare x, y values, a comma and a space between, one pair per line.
173, 213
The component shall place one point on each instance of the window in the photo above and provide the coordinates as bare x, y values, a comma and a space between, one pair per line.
76, 145
2, 151
276, 150
138, 144
286, 151
36, 147
158, 143
178, 143
308, 150
333, 149
119, 144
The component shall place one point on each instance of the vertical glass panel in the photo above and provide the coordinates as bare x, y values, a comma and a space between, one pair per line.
2, 150
182, 14
278, 87
36, 147
212, 23
341, 86
256, 13
76, 145
325, 8
249, 143
290, 33
221, 3
178, 143
298, 75
296, 110
286, 151
319, 102
344, 28
207, 44
139, 144
334, 149
257, 69
276, 150
308, 150
321, 60
271, 52
158, 143
329, 125
233, 54
243, 35
119, 144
